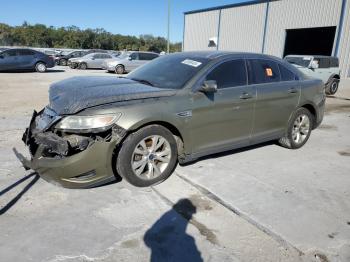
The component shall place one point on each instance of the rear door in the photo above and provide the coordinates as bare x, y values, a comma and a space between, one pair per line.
277, 97
224, 119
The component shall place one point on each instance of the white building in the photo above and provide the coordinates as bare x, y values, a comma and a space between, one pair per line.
276, 27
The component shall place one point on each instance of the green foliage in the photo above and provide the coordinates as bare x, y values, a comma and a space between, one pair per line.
39, 35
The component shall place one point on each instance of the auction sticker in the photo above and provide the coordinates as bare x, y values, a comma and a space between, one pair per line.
191, 62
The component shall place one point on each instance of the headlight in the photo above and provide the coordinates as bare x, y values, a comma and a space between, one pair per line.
86, 124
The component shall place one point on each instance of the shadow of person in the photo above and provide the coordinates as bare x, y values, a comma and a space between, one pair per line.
167, 238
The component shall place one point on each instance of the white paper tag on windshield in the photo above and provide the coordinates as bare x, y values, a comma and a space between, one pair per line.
307, 58
191, 62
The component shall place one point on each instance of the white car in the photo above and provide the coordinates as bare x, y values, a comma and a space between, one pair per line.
128, 61
93, 60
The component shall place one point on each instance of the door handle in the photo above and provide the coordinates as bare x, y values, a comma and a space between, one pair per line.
292, 90
245, 96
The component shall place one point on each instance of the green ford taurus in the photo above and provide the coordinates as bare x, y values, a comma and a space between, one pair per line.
177, 108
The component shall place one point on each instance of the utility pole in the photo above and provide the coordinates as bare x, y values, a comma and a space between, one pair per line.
168, 45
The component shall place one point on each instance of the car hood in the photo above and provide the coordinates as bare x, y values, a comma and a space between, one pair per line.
77, 93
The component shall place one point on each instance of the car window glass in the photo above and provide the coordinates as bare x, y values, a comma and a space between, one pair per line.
25, 52
9, 53
134, 56
286, 75
263, 71
334, 62
324, 62
97, 56
229, 74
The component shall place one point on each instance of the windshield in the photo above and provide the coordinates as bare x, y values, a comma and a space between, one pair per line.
169, 71
301, 61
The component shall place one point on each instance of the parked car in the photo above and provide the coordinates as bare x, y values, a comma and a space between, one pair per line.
128, 61
325, 68
25, 59
63, 59
93, 60
177, 108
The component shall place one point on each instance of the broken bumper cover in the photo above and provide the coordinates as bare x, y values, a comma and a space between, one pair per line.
90, 167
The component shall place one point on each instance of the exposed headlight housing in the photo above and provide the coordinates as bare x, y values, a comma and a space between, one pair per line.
87, 124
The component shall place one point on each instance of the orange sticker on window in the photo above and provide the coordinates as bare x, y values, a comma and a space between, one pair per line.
269, 72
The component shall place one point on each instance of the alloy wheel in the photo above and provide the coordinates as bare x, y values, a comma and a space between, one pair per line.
301, 129
151, 157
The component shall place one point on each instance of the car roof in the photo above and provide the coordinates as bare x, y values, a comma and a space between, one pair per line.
313, 56
212, 55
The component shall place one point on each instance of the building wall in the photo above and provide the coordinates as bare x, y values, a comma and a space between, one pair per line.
344, 45
241, 28
290, 14
199, 27
236, 22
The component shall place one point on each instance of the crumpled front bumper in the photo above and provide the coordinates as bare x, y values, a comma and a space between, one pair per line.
87, 168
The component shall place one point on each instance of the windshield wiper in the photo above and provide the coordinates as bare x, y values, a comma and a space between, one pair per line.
142, 81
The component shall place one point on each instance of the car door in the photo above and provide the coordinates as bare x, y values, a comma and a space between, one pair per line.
134, 61
224, 119
9, 60
25, 59
103, 58
94, 61
323, 71
276, 99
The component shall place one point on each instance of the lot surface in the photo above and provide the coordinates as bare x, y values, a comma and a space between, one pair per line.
263, 203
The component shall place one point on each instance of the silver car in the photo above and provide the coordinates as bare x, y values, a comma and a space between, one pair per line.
128, 61
93, 60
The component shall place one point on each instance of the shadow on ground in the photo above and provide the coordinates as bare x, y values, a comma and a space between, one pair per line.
13, 201
167, 238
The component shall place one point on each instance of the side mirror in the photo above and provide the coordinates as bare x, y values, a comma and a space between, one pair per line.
93, 58
129, 58
1, 57
209, 86
314, 64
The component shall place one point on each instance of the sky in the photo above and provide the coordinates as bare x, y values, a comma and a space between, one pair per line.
131, 17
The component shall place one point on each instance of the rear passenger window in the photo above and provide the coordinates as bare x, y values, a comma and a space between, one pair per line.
334, 62
229, 74
286, 75
263, 71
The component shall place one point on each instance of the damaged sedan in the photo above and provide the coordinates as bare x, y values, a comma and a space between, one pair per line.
177, 108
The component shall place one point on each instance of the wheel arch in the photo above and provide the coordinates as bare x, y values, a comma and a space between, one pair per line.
313, 111
171, 127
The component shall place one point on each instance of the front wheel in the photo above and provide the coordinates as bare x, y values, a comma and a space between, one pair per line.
40, 67
83, 66
119, 69
299, 129
62, 62
332, 88
148, 156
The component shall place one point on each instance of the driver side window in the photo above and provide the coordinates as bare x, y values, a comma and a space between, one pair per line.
229, 74
9, 53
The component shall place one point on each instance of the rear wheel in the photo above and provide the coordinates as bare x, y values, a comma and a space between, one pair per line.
332, 88
83, 66
119, 69
299, 129
40, 67
148, 156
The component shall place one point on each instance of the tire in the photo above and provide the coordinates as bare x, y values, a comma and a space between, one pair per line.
119, 69
298, 130
332, 87
83, 66
63, 62
73, 66
40, 67
139, 164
